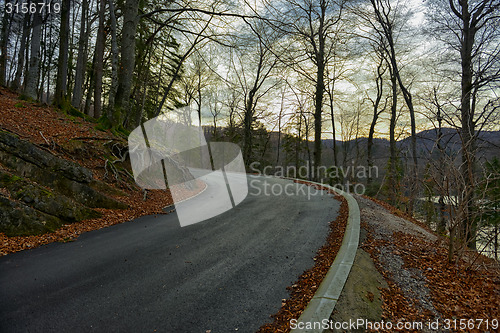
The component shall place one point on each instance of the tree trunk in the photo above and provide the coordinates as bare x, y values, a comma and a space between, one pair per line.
126, 72
114, 60
332, 117
318, 99
30, 87
467, 130
62, 62
279, 127
248, 124
89, 85
442, 208
82, 58
379, 80
392, 177
99, 61
16, 84
4, 39
140, 108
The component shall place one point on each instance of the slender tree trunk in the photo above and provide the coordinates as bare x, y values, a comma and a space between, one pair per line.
62, 62
89, 85
114, 61
392, 177
49, 56
380, 90
442, 208
409, 103
279, 127
332, 117
312, 174
382, 13
32, 75
4, 39
320, 90
81, 61
99, 61
16, 84
467, 123
496, 242
140, 108
11, 72
45, 69
248, 124
297, 145
126, 72
318, 109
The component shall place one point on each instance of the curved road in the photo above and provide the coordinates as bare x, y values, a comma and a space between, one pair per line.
226, 274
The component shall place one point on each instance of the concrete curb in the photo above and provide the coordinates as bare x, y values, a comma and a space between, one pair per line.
322, 304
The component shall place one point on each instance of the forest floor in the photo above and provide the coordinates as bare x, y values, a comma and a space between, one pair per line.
79, 140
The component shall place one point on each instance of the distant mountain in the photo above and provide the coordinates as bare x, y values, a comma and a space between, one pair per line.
488, 143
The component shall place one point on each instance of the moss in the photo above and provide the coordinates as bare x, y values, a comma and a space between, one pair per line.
23, 97
9, 179
103, 124
120, 131
47, 193
21, 220
66, 107
19, 105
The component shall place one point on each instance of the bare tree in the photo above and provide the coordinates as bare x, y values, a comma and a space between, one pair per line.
114, 59
385, 16
253, 86
4, 40
99, 60
31, 81
82, 57
127, 62
62, 62
311, 25
469, 29
16, 83
381, 69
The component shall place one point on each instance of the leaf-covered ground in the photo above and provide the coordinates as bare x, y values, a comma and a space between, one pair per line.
423, 286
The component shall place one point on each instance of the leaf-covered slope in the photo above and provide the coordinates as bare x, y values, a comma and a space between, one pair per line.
60, 175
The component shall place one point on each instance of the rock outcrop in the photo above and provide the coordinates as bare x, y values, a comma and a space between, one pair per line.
39, 191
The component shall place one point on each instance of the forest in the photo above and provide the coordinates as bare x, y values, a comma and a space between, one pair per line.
409, 87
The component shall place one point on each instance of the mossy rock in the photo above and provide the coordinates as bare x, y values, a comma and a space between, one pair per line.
28, 152
106, 189
41, 192
17, 219
44, 200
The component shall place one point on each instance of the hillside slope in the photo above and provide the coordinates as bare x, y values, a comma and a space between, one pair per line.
61, 176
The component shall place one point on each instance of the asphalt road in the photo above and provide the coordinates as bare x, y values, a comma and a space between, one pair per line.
226, 274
